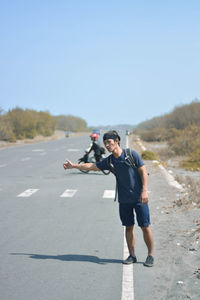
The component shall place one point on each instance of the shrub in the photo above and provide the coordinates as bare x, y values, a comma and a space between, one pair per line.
6, 132
153, 135
20, 124
192, 162
149, 155
185, 141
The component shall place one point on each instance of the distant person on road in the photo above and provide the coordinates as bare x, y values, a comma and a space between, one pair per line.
96, 147
132, 192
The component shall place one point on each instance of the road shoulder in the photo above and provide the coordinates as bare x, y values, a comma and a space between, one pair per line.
174, 275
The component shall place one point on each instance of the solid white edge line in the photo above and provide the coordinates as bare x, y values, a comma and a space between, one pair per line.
170, 178
127, 276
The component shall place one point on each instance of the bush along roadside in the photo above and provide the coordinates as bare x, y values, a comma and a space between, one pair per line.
192, 162
149, 155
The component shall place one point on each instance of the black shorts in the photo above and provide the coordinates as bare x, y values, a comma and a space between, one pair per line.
126, 212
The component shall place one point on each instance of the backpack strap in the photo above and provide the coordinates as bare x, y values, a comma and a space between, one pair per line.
111, 166
112, 170
131, 161
129, 158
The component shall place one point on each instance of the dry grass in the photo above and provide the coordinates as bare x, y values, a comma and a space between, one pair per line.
149, 155
191, 197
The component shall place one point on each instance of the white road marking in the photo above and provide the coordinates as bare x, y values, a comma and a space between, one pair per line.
28, 193
109, 194
73, 150
25, 158
2, 166
127, 277
68, 193
37, 150
43, 153
141, 145
170, 179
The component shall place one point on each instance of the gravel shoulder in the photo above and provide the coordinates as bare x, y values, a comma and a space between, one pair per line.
177, 237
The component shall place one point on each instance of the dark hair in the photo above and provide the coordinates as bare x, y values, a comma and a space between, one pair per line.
112, 134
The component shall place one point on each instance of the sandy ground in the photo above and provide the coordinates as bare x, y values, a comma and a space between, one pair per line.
58, 134
176, 232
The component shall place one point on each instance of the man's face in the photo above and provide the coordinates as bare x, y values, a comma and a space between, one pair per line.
110, 144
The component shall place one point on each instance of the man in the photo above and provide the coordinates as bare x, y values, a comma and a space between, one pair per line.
95, 146
132, 192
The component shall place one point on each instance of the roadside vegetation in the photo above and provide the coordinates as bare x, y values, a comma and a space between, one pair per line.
70, 123
180, 129
149, 155
192, 196
19, 124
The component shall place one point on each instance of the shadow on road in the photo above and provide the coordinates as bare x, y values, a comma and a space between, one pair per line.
72, 257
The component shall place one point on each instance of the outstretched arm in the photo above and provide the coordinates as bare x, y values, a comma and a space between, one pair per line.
85, 167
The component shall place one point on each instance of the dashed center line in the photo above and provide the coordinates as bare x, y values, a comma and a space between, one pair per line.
28, 193
73, 150
68, 193
2, 166
25, 158
109, 194
37, 150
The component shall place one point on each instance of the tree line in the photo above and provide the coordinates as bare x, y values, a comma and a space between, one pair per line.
20, 124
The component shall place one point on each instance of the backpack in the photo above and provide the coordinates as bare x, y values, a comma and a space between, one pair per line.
129, 160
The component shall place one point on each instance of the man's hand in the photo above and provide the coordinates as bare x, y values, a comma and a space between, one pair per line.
144, 197
68, 165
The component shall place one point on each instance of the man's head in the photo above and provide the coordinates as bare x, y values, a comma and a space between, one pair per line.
94, 136
111, 139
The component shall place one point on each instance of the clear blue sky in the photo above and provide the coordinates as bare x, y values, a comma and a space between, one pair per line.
109, 62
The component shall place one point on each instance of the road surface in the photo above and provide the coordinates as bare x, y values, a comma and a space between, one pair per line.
61, 236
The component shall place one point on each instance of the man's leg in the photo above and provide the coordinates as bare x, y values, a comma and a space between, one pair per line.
143, 218
148, 238
130, 239
127, 217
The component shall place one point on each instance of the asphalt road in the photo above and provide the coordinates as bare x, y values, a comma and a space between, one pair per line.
55, 247
60, 238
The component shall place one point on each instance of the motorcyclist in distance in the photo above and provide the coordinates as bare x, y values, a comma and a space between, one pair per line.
96, 147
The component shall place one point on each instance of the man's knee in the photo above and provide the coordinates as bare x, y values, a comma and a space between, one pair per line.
129, 228
146, 229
